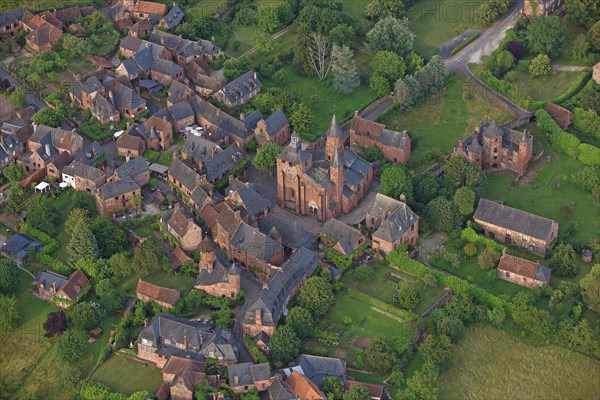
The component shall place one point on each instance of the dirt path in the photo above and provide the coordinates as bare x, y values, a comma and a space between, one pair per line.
569, 68
275, 36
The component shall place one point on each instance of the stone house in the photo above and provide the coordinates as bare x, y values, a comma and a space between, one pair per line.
173, 18
51, 286
141, 29
46, 144
180, 92
164, 297
394, 145
124, 99
181, 376
55, 167
42, 39
342, 237
149, 10
255, 251
523, 272
130, 146
240, 90
219, 126
10, 22
183, 176
214, 277
495, 148
83, 177
515, 227
246, 376
248, 200
264, 314
395, 224
117, 195
136, 169
182, 115
325, 188
316, 368
274, 129
183, 51
166, 336
180, 223
303, 388
165, 72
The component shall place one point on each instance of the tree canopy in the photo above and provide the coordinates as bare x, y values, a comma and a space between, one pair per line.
546, 35
70, 347
301, 321
9, 276
42, 214
316, 296
590, 288
391, 34
285, 345
266, 157
395, 181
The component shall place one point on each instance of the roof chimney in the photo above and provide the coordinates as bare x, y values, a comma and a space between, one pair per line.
236, 380
258, 317
242, 116
185, 343
403, 198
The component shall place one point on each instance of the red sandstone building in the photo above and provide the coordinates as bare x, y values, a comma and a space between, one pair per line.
324, 188
215, 278
394, 223
515, 227
394, 145
51, 286
162, 296
496, 148
523, 272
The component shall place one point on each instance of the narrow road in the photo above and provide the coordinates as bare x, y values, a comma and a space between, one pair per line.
485, 44
31, 98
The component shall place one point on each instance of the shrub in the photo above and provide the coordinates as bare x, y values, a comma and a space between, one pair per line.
540, 66
365, 298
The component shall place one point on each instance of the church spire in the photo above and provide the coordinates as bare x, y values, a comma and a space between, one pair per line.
334, 129
336, 158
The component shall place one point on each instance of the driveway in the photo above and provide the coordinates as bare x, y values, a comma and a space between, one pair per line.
31, 98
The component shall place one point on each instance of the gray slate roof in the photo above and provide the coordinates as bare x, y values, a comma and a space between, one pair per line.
252, 119
279, 391
85, 171
181, 110
513, 219
345, 235
252, 201
144, 58
241, 86
223, 161
48, 278
132, 168
316, 368
293, 235
173, 17
11, 17
276, 121
248, 373
166, 67
91, 153
254, 242
218, 117
199, 148
183, 173
117, 188
396, 224
293, 153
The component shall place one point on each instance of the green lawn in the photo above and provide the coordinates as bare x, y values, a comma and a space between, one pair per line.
565, 56
355, 8
547, 88
542, 196
244, 35
434, 22
451, 114
384, 290
489, 363
322, 99
123, 374
181, 282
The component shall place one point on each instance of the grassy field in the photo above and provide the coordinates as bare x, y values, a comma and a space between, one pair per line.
434, 22
542, 196
139, 376
451, 114
384, 289
565, 57
328, 100
489, 363
543, 89
181, 282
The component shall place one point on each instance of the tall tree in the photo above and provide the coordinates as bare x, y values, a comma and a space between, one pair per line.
70, 347
378, 9
464, 198
442, 215
9, 316
319, 54
460, 172
266, 17
594, 36
379, 356
84, 316
300, 320
17, 98
14, 172
301, 119
564, 260
436, 349
75, 215
346, 74
147, 258
357, 392
391, 34
546, 35
9, 276
395, 181
302, 46
111, 238
316, 295
16, 194
41, 214
583, 12
343, 35
590, 288
56, 324
266, 157
423, 385
389, 65
285, 345
333, 387
82, 243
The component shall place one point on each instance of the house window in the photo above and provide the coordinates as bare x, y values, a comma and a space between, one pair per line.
507, 274
146, 342
507, 233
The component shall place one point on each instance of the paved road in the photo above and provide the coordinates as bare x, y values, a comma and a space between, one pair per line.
31, 98
252, 288
485, 44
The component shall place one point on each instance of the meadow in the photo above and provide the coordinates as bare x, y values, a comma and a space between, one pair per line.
489, 363
140, 375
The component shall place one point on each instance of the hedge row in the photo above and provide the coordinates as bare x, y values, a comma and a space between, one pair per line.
237, 170
567, 143
365, 298
50, 246
582, 80
464, 43
259, 355
470, 236
400, 260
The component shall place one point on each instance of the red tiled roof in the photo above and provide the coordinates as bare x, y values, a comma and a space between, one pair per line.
76, 283
178, 257
150, 7
157, 293
561, 115
303, 387
519, 266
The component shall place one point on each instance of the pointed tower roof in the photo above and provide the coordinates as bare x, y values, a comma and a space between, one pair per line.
336, 159
207, 245
234, 269
334, 129
295, 140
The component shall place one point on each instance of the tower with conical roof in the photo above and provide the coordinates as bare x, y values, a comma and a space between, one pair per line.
335, 140
336, 175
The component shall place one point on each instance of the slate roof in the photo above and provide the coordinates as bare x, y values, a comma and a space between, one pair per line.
279, 391
219, 274
117, 188
181, 110
131, 43
254, 242
396, 224
334, 129
190, 372
157, 293
141, 27
276, 121
199, 148
383, 206
123, 96
293, 235
173, 17
346, 236
101, 108
378, 132
248, 373
251, 200
293, 152
183, 173
319, 176
11, 17
62, 160
132, 168
177, 92
199, 197
241, 86
91, 153
223, 161
204, 81
272, 300
316, 368
79, 169
252, 119
49, 278
179, 220
19, 245
524, 267
219, 118
490, 129
221, 345
513, 219
131, 142
144, 59
166, 67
